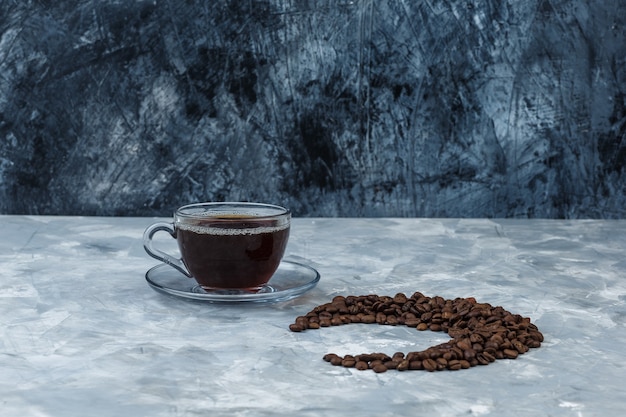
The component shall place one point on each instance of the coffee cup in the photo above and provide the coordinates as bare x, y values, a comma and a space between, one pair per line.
232, 246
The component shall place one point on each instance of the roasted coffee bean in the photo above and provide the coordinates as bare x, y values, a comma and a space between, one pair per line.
465, 364
325, 315
480, 333
412, 322
368, 319
381, 318
375, 362
336, 321
336, 360
379, 368
491, 345
464, 344
348, 362
510, 353
295, 328
426, 316
403, 365
482, 360
476, 338
490, 351
331, 309
330, 356
365, 357
457, 333
469, 354
434, 327
429, 364
519, 346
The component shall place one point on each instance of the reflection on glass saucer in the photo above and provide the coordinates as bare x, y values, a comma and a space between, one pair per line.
291, 280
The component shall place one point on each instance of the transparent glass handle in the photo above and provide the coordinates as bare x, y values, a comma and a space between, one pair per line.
176, 263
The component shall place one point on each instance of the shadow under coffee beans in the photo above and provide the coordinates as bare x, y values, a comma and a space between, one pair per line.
480, 333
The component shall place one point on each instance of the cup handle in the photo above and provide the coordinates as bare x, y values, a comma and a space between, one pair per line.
176, 263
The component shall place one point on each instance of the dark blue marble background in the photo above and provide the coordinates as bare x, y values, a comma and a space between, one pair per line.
441, 108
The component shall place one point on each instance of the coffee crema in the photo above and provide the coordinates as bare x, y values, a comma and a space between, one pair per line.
232, 251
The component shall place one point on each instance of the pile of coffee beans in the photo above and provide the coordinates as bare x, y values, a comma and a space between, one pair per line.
480, 333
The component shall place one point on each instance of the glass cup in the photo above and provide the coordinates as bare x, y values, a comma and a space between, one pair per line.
232, 246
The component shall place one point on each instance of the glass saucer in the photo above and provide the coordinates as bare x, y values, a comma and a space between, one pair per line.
290, 280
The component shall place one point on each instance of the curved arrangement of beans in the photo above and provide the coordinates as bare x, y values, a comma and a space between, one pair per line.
480, 333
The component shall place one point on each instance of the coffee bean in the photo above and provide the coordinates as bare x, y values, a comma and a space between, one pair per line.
464, 344
368, 319
534, 344
336, 360
482, 360
330, 356
403, 365
324, 322
510, 353
381, 318
465, 364
442, 363
480, 333
429, 364
489, 356
434, 327
348, 363
519, 346
476, 338
491, 345
450, 355
325, 315
375, 362
412, 322
469, 354
295, 328
379, 368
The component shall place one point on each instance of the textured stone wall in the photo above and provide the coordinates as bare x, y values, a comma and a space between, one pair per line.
438, 108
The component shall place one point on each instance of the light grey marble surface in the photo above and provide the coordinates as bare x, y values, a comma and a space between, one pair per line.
82, 334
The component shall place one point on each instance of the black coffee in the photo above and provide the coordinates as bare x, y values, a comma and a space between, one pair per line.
232, 252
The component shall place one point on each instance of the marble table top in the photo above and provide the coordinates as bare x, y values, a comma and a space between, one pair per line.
83, 334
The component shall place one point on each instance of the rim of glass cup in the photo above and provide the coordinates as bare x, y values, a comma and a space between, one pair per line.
280, 211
